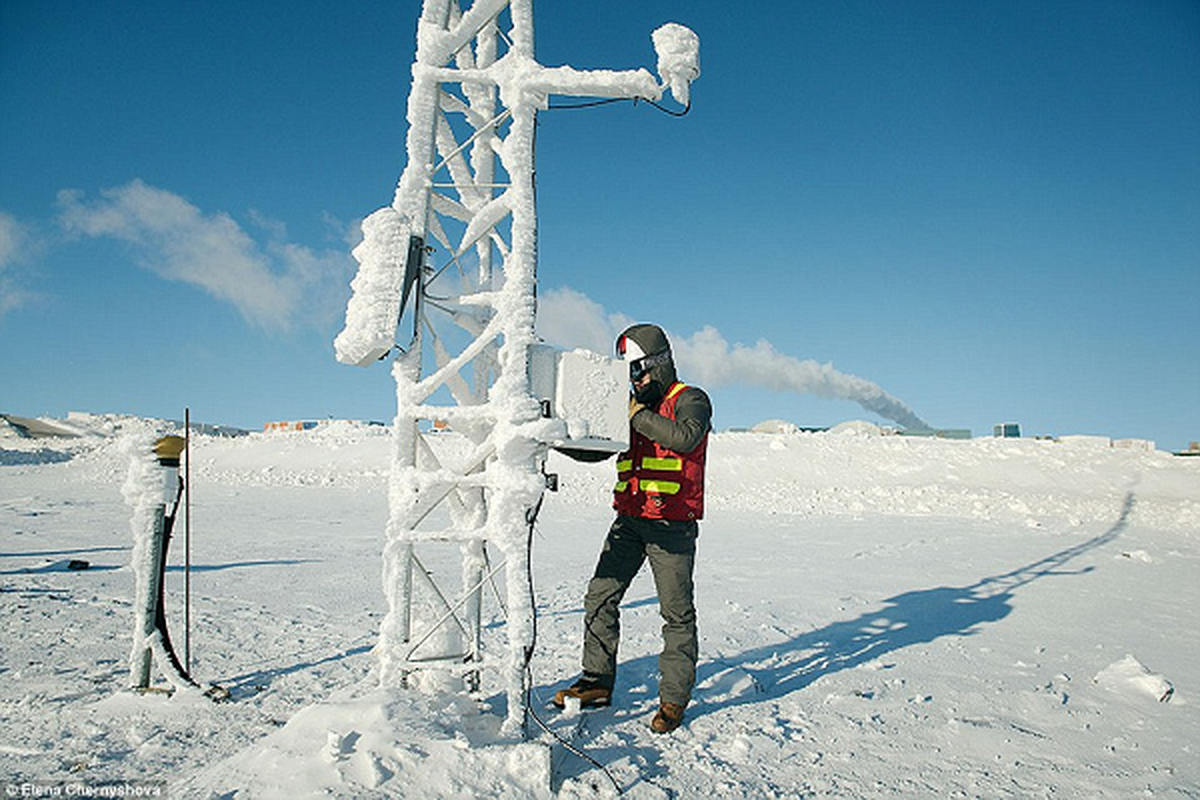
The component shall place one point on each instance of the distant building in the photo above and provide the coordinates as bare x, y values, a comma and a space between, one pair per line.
1007, 430
301, 425
938, 433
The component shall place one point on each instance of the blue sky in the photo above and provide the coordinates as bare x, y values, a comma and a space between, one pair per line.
990, 209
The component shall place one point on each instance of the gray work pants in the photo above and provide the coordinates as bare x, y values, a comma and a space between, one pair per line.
670, 547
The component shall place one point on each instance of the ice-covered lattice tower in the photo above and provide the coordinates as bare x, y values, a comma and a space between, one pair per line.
456, 253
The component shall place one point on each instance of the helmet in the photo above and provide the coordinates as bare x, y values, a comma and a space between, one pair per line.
646, 349
644, 339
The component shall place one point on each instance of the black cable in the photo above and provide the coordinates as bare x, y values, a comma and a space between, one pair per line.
666, 110
160, 613
589, 104
634, 100
531, 517
566, 745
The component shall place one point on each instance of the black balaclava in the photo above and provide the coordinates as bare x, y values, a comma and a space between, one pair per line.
651, 340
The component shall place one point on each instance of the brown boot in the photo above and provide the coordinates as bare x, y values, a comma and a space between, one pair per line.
668, 718
591, 694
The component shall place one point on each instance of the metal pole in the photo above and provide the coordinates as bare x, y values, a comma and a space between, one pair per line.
148, 602
187, 540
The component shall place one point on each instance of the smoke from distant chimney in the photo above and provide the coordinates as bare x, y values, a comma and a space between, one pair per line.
570, 319
714, 362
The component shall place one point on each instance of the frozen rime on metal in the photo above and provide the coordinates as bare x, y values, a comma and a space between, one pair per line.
678, 50
374, 306
144, 490
464, 215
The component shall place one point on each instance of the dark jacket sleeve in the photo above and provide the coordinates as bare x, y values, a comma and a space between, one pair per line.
693, 419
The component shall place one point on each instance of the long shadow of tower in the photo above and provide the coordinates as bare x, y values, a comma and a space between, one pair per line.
916, 617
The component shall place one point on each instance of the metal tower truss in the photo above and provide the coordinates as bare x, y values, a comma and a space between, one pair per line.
452, 263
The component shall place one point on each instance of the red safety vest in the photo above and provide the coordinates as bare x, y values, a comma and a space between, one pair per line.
656, 483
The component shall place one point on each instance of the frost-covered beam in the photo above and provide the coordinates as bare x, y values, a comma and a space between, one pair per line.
437, 45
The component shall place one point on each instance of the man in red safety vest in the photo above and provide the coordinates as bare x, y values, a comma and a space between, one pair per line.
659, 499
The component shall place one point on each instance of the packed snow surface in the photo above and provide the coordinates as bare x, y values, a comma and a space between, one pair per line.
880, 616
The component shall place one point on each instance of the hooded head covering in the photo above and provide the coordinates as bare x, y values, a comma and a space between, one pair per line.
646, 349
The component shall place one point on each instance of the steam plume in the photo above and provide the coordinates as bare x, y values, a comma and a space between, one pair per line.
716, 363
570, 319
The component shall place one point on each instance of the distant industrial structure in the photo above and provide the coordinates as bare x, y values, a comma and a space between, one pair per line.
279, 427
1004, 430
289, 426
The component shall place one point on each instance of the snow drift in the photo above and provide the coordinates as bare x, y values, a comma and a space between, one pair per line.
880, 615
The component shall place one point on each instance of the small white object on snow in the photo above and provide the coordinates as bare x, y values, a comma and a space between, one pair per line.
1128, 676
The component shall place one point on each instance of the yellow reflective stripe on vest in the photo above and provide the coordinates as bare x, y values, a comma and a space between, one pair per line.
625, 466
664, 464
621, 486
660, 487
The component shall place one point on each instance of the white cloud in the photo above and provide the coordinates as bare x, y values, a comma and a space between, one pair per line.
271, 286
570, 319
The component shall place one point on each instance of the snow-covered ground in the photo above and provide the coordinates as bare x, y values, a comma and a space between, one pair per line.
880, 616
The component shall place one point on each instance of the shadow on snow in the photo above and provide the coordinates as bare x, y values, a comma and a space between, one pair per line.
916, 617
